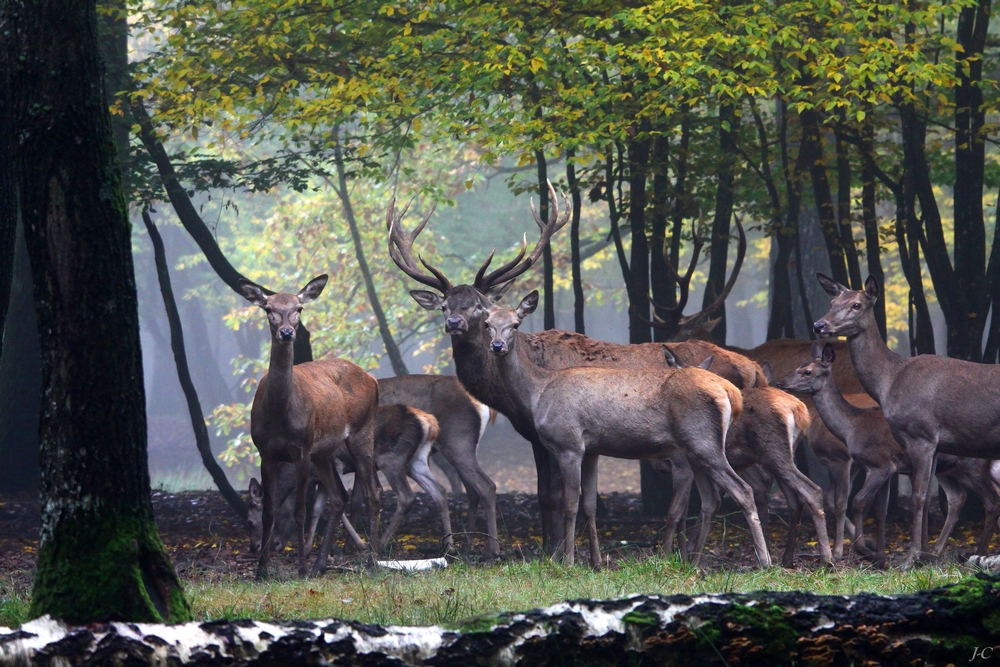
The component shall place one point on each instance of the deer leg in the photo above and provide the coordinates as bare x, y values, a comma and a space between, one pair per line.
336, 493
794, 519
989, 525
809, 495
442, 462
361, 446
394, 469
922, 467
269, 483
480, 487
875, 480
315, 511
301, 482
840, 480
549, 499
760, 483
956, 496
683, 478
723, 475
570, 470
881, 512
588, 490
420, 471
710, 498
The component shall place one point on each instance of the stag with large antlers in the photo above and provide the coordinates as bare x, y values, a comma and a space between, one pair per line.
302, 414
465, 306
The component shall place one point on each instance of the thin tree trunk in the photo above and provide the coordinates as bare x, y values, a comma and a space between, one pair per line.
638, 161
548, 283
391, 349
574, 242
870, 219
99, 557
812, 144
844, 207
725, 196
196, 227
184, 374
681, 207
661, 280
781, 322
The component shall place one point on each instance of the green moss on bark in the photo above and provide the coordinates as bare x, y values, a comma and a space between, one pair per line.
107, 568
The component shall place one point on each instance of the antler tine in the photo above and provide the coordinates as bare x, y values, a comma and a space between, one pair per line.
517, 266
482, 269
741, 252
684, 282
484, 282
401, 248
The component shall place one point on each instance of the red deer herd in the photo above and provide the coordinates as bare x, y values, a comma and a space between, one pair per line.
708, 414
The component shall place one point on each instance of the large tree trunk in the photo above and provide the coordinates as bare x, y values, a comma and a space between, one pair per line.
870, 219
99, 556
725, 196
951, 625
812, 144
548, 280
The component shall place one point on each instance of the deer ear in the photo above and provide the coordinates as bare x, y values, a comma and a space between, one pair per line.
765, 368
671, 358
828, 354
830, 286
256, 490
871, 288
494, 294
707, 363
527, 305
427, 300
252, 292
313, 289
817, 350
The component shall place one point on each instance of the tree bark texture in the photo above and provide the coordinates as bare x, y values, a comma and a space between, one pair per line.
391, 349
950, 625
99, 556
184, 375
812, 145
574, 244
869, 218
548, 280
638, 162
725, 197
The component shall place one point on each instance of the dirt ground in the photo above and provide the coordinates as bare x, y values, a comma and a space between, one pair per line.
205, 539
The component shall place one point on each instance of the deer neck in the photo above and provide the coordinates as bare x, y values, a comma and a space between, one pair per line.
279, 378
837, 413
875, 364
522, 378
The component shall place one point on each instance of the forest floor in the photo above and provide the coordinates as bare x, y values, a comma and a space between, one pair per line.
208, 545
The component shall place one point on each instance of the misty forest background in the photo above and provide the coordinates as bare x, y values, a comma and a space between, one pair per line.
850, 138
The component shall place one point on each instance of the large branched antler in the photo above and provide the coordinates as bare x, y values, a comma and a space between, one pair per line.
401, 248
672, 318
515, 267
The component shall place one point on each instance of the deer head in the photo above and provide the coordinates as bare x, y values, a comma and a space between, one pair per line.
465, 306
850, 310
502, 323
283, 309
810, 377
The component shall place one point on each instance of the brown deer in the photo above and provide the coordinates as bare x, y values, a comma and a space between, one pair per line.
872, 447
931, 403
465, 306
404, 436
765, 435
302, 414
462, 421
582, 413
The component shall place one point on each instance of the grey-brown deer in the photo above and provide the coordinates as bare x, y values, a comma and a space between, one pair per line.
465, 307
302, 414
765, 435
872, 447
462, 420
582, 413
931, 403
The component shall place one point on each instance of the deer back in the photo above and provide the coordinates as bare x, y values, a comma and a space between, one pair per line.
456, 413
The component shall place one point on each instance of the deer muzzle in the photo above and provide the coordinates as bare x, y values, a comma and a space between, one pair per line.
820, 327
286, 333
455, 325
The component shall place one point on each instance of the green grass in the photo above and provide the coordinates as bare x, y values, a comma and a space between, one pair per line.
181, 479
461, 592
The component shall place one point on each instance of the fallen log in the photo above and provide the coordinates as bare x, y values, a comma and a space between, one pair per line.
956, 624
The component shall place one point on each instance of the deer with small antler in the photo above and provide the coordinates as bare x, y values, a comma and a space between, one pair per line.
465, 307
303, 414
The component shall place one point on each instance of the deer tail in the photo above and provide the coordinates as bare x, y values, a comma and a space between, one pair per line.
735, 401
430, 423
801, 415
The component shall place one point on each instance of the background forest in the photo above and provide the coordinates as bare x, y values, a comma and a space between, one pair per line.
268, 137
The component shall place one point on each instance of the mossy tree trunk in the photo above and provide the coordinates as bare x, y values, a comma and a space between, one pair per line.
99, 555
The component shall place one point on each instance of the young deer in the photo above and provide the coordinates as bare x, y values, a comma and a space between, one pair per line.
582, 413
932, 403
284, 515
403, 439
302, 414
462, 421
765, 435
871, 446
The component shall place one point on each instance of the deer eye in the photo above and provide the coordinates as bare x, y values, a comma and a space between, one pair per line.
807, 373
299, 309
855, 306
